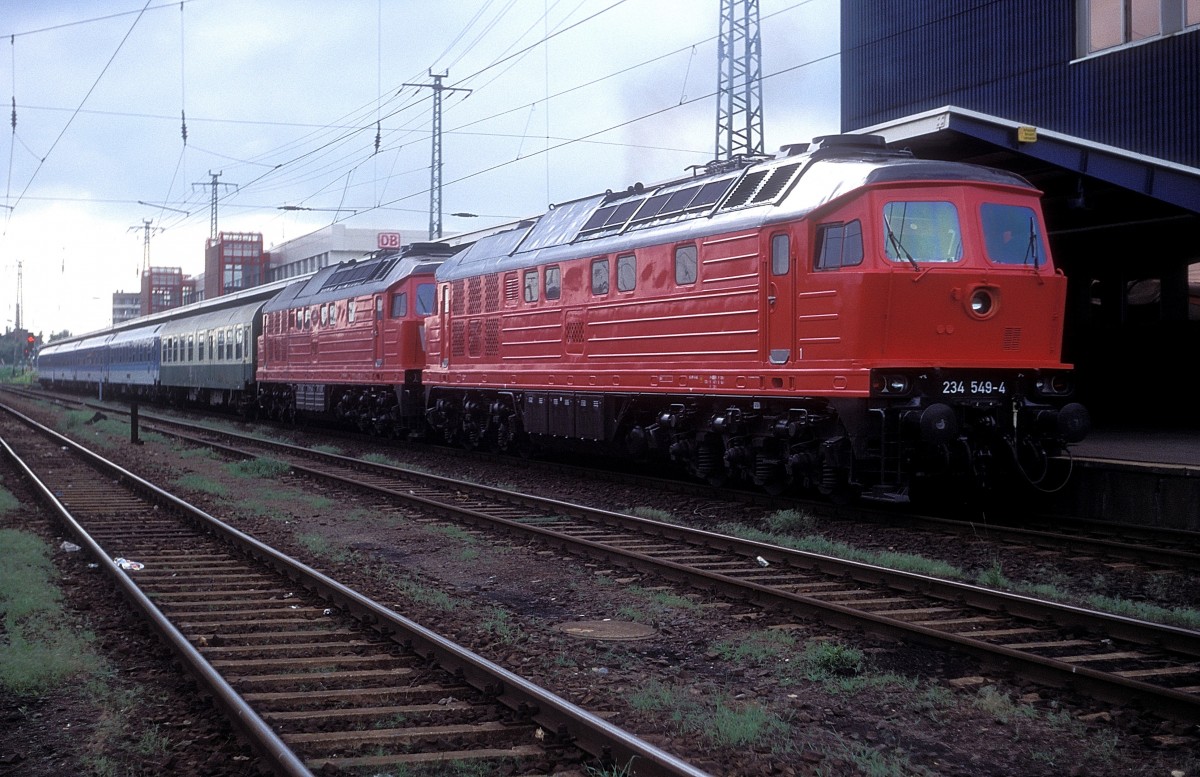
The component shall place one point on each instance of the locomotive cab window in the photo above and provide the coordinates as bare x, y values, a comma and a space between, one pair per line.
400, 304
685, 264
426, 295
1011, 235
626, 272
839, 245
600, 277
530, 285
922, 232
553, 282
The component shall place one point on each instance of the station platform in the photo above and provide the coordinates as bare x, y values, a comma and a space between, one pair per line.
1139, 476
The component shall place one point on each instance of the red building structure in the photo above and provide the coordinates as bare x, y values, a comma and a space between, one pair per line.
162, 289
234, 261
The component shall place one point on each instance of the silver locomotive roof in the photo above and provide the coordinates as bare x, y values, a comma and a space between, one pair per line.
804, 178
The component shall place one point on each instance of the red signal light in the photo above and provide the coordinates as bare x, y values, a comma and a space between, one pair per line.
30, 339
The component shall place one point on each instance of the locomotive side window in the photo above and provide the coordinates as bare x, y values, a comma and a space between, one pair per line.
324, 315
626, 272
1011, 235
839, 245
530, 285
379, 308
922, 232
400, 304
781, 255
351, 307
553, 282
685, 264
600, 276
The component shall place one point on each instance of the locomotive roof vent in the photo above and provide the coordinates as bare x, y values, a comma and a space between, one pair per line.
834, 145
429, 249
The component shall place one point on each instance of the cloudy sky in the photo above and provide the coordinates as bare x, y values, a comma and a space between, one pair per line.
285, 99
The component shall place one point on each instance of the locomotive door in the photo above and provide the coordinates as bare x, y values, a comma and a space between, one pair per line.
781, 305
378, 330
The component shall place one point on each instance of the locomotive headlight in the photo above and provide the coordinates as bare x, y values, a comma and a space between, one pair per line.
983, 302
890, 384
1058, 384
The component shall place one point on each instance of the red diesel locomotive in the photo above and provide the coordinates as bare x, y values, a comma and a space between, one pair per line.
844, 317
348, 342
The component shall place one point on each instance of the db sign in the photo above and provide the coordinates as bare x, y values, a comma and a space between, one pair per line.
388, 239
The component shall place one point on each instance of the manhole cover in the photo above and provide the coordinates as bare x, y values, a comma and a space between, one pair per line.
611, 630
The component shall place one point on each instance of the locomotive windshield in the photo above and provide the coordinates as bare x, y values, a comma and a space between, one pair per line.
1011, 235
426, 299
922, 232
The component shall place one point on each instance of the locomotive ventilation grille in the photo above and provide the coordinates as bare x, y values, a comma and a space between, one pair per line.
575, 332
458, 298
1012, 338
474, 295
491, 296
458, 339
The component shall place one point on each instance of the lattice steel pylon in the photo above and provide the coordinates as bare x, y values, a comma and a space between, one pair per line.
435, 162
739, 81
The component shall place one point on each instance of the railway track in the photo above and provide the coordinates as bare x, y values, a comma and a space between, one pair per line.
1109, 541
314, 675
1113, 658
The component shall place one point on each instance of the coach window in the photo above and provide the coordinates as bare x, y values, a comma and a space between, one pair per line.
400, 304
781, 258
626, 272
191, 347
220, 352
212, 354
200, 348
553, 282
530, 285
229, 343
839, 245
685, 264
238, 353
600, 276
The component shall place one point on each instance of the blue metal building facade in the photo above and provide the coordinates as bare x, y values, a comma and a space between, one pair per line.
1024, 60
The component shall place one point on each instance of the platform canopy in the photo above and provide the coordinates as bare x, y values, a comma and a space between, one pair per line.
1088, 185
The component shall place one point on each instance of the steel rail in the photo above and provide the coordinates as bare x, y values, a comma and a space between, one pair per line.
556, 715
1103, 685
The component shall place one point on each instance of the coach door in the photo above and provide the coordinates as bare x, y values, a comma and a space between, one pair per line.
781, 306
